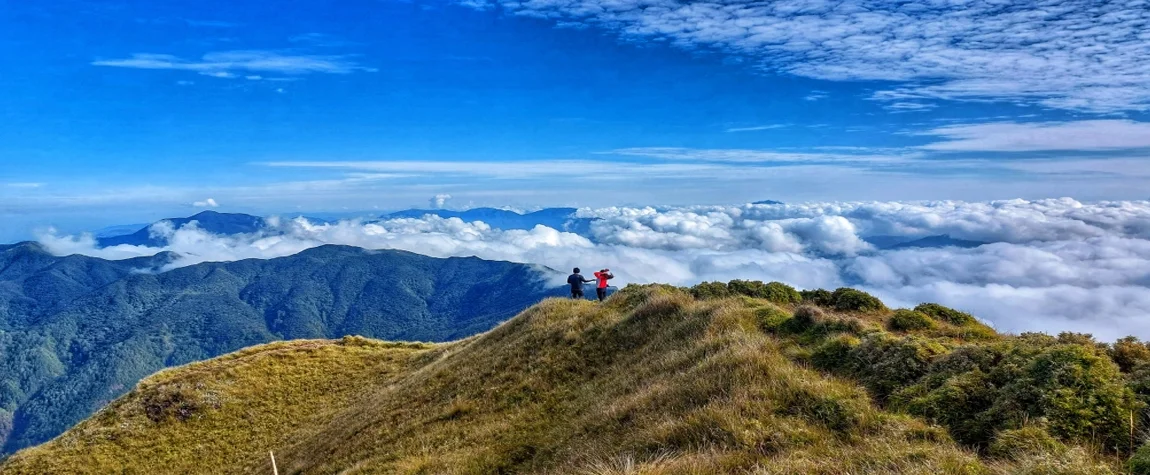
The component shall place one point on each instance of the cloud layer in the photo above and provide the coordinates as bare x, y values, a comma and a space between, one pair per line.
1049, 265
1078, 54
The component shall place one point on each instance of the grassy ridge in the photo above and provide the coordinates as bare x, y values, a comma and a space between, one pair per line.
657, 380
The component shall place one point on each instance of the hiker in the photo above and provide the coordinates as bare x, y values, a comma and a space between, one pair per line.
576, 280
602, 276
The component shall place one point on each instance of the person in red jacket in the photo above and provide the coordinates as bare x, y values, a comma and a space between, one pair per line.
602, 276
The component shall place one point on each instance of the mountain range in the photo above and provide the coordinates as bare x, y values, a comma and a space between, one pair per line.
77, 332
563, 219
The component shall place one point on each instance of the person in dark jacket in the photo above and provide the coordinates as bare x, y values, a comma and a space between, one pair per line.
576, 280
602, 276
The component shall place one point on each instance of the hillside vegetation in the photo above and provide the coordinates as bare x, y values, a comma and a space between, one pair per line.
721, 378
77, 332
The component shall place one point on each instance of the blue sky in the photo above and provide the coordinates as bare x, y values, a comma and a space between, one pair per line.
131, 111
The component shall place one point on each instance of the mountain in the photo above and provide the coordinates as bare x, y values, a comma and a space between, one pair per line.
942, 240
563, 219
767, 202
210, 221
720, 378
118, 230
79, 331
907, 242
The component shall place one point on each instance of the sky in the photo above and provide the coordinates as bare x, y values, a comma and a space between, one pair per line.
115, 112
1023, 124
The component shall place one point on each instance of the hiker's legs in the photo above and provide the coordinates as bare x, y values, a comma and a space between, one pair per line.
576, 293
601, 293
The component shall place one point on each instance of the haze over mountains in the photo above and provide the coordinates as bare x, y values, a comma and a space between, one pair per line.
78, 331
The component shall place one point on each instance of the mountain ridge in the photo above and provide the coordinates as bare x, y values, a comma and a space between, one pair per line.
656, 380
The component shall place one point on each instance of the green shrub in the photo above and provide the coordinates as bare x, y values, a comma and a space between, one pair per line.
1139, 463
776, 292
886, 363
1080, 391
779, 292
908, 320
821, 297
834, 353
710, 290
770, 317
750, 288
946, 314
846, 299
1025, 442
805, 318
1129, 353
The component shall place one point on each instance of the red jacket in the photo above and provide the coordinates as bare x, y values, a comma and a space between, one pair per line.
603, 276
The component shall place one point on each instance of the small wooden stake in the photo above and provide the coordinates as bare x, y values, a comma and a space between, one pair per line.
275, 471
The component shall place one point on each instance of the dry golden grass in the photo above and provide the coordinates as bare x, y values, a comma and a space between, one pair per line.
651, 382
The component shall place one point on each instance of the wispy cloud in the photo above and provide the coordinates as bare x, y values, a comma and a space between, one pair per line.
23, 185
230, 64
1039, 136
816, 95
909, 107
759, 156
1076, 54
758, 127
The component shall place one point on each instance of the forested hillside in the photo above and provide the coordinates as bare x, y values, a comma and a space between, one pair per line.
77, 332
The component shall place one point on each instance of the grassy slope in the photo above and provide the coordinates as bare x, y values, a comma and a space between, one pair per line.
652, 382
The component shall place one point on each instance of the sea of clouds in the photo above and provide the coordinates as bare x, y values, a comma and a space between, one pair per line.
1048, 265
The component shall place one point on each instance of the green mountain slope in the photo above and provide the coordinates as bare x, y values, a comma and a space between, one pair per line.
59, 362
656, 380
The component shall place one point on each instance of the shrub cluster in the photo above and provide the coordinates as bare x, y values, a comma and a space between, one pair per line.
846, 299
820, 297
907, 320
777, 292
946, 314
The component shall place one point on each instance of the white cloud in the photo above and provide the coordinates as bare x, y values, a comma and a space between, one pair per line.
909, 107
23, 185
816, 96
757, 128
439, 200
756, 156
208, 203
1038, 136
1075, 54
1052, 265
229, 64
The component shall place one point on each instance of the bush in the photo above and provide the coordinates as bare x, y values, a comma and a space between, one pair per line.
779, 292
821, 297
805, 318
908, 320
710, 290
851, 300
834, 353
1129, 353
750, 288
776, 292
946, 314
1139, 463
1025, 442
770, 317
886, 363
